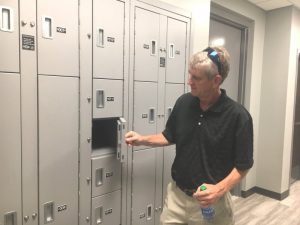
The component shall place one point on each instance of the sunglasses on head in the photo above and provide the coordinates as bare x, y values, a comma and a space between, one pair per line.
213, 55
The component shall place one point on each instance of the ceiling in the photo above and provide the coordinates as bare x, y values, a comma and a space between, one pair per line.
274, 4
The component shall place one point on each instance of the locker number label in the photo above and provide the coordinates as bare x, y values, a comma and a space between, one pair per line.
62, 30
146, 46
110, 174
61, 208
162, 62
110, 39
27, 42
108, 211
110, 99
144, 115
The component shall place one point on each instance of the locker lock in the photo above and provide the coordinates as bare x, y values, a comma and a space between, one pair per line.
26, 218
89, 36
87, 219
24, 23
32, 24
34, 215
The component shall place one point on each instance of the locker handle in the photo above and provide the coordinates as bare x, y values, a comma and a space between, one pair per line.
6, 19
100, 98
100, 37
120, 142
99, 177
119, 139
48, 212
10, 218
152, 115
149, 212
47, 24
153, 47
169, 111
98, 215
171, 51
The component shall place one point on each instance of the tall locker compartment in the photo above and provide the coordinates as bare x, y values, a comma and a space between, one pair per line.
9, 36
173, 91
176, 50
143, 187
160, 46
58, 42
10, 153
58, 149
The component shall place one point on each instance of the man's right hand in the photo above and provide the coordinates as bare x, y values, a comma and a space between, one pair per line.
133, 138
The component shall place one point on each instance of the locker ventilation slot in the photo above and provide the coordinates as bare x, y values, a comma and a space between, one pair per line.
171, 51
47, 27
151, 115
149, 212
100, 38
153, 48
100, 98
169, 111
49, 212
6, 19
98, 215
10, 218
99, 177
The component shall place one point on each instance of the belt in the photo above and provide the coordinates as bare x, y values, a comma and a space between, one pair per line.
188, 192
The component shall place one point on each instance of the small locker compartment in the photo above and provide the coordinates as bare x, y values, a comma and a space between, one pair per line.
107, 137
106, 209
106, 174
107, 98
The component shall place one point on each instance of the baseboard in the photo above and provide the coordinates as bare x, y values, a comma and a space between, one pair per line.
261, 191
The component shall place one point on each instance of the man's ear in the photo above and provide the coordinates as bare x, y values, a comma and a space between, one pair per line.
218, 79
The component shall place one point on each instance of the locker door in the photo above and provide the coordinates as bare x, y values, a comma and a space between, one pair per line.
108, 38
145, 108
58, 37
176, 50
58, 149
146, 45
9, 36
106, 174
106, 209
107, 98
143, 187
10, 149
173, 92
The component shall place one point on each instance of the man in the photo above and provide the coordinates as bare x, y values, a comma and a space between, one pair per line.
214, 144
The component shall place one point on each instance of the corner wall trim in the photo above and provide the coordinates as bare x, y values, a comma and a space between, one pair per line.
267, 193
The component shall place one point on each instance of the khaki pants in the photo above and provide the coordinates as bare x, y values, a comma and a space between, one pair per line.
180, 209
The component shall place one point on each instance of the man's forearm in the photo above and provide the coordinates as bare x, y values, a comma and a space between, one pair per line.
155, 140
231, 180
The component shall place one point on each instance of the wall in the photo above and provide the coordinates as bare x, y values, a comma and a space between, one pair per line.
200, 21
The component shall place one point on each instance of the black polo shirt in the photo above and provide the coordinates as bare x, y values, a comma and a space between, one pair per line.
209, 144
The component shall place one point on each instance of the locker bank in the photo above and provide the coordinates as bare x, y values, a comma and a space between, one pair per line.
76, 75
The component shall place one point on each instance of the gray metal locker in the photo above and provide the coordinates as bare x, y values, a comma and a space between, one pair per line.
172, 93
108, 39
58, 149
106, 209
106, 174
58, 44
176, 50
146, 45
143, 187
10, 149
145, 108
107, 98
9, 36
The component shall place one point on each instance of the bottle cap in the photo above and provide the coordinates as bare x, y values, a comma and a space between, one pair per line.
203, 187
